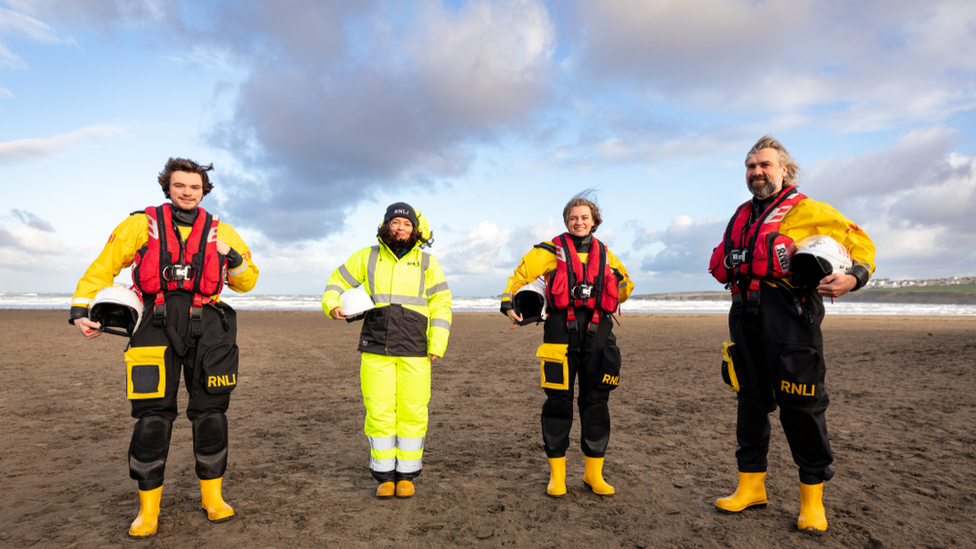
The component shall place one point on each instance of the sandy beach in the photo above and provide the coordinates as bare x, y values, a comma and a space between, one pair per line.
902, 422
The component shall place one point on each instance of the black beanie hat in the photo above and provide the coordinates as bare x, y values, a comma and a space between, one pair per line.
401, 209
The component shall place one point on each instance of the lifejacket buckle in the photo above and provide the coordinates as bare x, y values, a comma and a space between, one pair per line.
196, 313
582, 291
571, 326
737, 257
591, 329
178, 273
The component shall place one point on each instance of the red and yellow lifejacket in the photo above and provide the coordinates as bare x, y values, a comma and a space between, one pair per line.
755, 250
166, 263
570, 273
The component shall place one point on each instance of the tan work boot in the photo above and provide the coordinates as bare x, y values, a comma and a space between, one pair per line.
404, 489
385, 490
557, 477
213, 502
148, 519
593, 477
813, 518
751, 493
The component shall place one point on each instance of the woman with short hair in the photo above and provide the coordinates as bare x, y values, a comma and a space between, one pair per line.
584, 285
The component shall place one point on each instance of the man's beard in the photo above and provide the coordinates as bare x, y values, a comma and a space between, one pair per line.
389, 238
762, 186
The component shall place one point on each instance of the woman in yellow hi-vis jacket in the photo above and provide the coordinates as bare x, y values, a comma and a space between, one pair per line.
584, 284
406, 330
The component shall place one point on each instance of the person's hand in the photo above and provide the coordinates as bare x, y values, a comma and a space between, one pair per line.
837, 284
222, 248
433, 357
337, 314
88, 328
513, 317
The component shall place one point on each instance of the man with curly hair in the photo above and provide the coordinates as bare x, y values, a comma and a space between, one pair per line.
181, 256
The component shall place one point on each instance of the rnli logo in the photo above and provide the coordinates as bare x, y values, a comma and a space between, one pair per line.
413, 263
798, 389
401, 211
222, 381
611, 380
783, 255
212, 237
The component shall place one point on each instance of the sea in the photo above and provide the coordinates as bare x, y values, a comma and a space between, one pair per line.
249, 302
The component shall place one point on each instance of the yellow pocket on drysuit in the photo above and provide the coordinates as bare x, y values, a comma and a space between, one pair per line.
728, 366
555, 366
145, 372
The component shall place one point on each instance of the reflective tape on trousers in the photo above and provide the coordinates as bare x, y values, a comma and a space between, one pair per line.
382, 443
408, 465
382, 465
410, 444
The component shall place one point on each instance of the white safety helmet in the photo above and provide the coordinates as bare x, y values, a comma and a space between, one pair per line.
117, 306
355, 301
816, 257
530, 302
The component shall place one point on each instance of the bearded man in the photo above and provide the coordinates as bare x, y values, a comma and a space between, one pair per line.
776, 353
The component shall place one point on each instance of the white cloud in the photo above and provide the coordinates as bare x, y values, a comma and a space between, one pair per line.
396, 99
4, 92
9, 59
37, 149
687, 245
32, 220
95, 13
486, 61
33, 258
15, 22
479, 252
863, 67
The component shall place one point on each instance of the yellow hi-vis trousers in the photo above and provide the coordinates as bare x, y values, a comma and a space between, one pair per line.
396, 391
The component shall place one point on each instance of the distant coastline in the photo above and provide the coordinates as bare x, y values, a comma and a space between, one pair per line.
956, 290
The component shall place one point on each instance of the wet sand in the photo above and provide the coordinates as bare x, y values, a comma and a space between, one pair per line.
902, 422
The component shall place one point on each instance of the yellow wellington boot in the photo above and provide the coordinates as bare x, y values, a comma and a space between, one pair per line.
213, 503
385, 490
557, 477
813, 519
750, 493
145, 524
593, 477
404, 489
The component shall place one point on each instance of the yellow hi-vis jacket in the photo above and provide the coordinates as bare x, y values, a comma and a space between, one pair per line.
809, 218
130, 236
541, 261
413, 313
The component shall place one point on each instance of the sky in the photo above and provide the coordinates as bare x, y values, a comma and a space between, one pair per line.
487, 116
